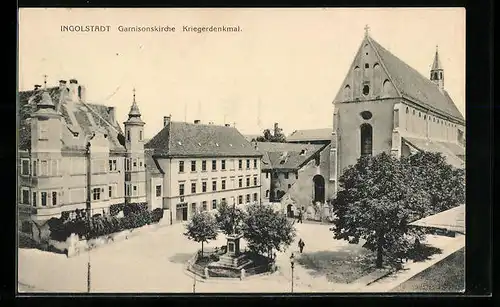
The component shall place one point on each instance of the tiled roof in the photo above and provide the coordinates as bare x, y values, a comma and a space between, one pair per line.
287, 155
414, 85
324, 134
433, 146
151, 164
78, 117
179, 139
452, 220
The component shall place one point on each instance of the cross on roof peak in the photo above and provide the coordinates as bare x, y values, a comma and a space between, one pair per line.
133, 90
45, 81
367, 30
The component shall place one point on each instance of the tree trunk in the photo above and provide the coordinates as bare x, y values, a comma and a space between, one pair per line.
201, 249
379, 261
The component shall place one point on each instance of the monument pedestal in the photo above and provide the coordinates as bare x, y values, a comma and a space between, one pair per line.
233, 258
233, 245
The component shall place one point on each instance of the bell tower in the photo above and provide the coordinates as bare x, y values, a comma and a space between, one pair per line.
437, 71
135, 171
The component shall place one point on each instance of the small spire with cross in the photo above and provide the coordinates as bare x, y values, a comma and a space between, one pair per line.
45, 81
133, 90
367, 30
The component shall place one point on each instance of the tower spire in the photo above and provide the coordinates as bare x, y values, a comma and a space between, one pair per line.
437, 71
134, 109
45, 81
367, 30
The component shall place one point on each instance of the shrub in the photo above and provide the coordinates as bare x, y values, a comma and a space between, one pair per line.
157, 215
134, 208
116, 208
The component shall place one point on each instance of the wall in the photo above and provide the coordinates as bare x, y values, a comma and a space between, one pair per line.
265, 185
349, 136
231, 175
153, 200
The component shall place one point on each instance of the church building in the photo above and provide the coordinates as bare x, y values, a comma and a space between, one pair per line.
384, 105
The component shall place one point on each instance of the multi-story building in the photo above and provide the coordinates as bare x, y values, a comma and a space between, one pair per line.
67, 145
193, 167
384, 105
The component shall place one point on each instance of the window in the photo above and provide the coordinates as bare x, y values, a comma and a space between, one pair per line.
214, 204
43, 130
34, 168
254, 163
413, 112
223, 184
158, 191
366, 90
128, 135
214, 165
193, 187
34, 199
254, 196
204, 166
193, 207
248, 182
214, 185
140, 135
96, 193
367, 65
54, 198
240, 199
127, 190
181, 166
110, 191
248, 164
204, 186
248, 198
135, 190
297, 175
254, 180
110, 165
25, 167
240, 182
223, 200
181, 189
223, 164
286, 175
366, 140
240, 164
204, 205
267, 193
25, 197
289, 186
193, 166
44, 168
366, 115
127, 164
140, 164
43, 195
135, 163
267, 175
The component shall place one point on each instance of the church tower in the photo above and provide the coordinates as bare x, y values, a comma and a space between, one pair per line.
437, 71
135, 171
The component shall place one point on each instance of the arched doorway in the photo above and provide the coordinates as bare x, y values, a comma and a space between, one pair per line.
319, 188
289, 211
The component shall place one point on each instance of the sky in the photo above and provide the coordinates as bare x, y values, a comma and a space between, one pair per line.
284, 66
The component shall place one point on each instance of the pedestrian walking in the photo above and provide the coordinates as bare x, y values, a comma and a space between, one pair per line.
300, 217
301, 245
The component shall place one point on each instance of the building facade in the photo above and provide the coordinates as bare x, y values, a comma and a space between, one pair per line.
384, 105
200, 166
65, 146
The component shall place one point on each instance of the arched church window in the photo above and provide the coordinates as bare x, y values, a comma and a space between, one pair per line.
128, 135
386, 87
366, 139
407, 110
347, 91
413, 112
441, 75
366, 89
435, 76
367, 65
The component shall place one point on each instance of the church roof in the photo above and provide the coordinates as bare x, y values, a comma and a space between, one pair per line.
453, 153
413, 85
180, 139
80, 119
324, 134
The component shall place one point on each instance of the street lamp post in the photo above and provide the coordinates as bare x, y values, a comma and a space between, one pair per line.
194, 283
88, 207
292, 263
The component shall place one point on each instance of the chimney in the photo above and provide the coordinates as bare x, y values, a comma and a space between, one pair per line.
276, 129
62, 84
112, 115
81, 93
73, 90
37, 87
227, 125
166, 120
196, 121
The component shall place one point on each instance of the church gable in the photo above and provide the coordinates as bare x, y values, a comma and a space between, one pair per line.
367, 79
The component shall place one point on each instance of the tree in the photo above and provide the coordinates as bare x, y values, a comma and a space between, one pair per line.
375, 203
229, 218
202, 228
444, 183
277, 137
266, 230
